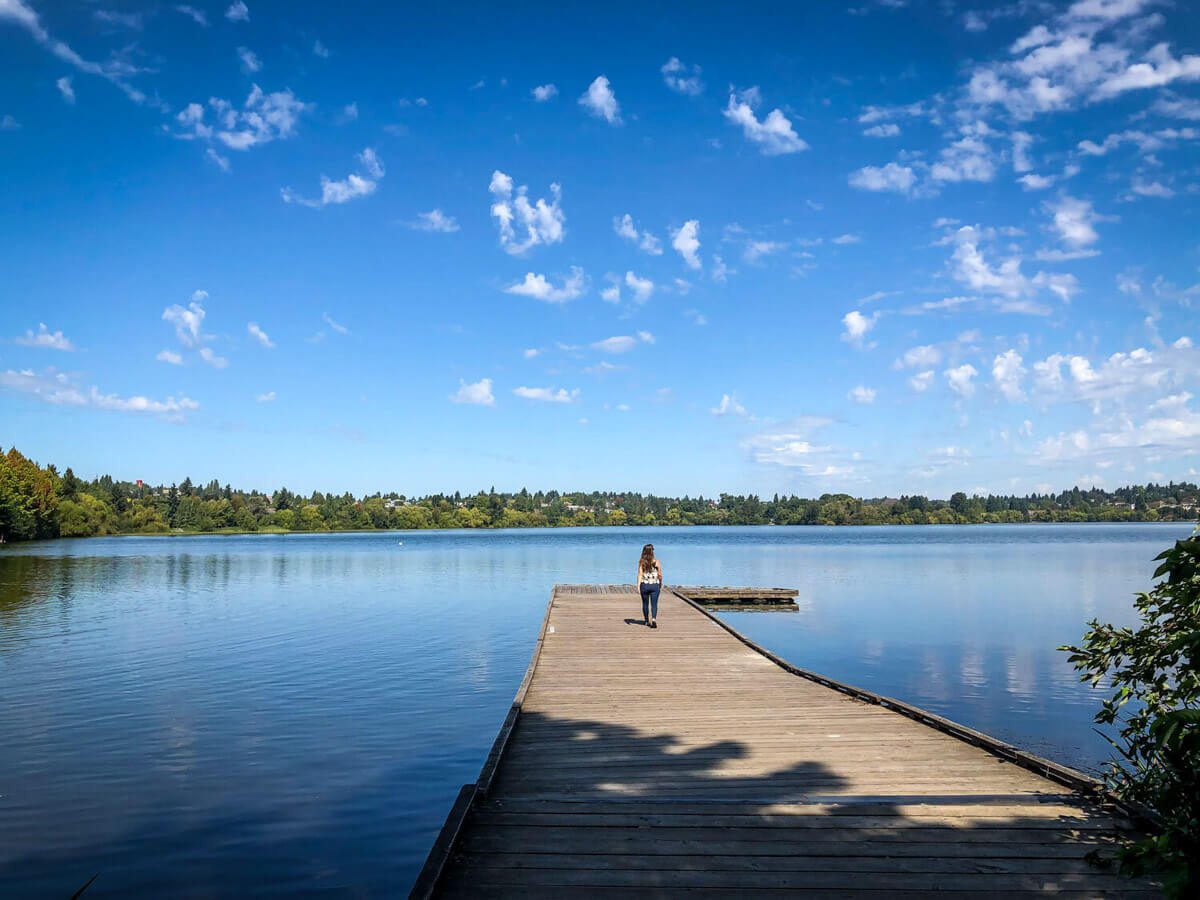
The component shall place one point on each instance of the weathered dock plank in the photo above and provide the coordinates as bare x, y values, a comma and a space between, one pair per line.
638, 762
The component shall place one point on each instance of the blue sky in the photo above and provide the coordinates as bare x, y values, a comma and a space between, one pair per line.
891, 247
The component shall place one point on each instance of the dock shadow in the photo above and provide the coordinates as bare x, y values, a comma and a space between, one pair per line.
593, 808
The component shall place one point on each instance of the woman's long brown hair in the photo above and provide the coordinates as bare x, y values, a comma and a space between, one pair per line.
646, 563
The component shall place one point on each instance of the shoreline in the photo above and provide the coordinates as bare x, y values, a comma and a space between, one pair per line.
279, 532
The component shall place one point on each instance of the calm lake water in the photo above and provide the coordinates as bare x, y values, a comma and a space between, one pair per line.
281, 715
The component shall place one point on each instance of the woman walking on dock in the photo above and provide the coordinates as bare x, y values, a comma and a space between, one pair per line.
649, 581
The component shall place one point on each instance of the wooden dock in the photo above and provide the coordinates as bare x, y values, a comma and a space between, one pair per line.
686, 760
741, 598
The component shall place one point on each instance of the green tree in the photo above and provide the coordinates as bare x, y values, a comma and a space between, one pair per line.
1154, 672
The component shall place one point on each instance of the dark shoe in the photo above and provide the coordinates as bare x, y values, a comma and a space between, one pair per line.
654, 624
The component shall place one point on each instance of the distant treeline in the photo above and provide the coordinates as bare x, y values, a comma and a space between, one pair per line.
38, 502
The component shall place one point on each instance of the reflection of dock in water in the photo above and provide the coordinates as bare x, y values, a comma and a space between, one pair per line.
638, 762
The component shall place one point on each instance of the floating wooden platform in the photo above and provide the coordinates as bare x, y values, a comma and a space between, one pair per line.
686, 760
740, 598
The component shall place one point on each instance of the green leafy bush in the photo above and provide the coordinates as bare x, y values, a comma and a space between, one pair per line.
1155, 705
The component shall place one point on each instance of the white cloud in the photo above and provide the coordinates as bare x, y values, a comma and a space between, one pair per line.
57, 389
601, 102
1157, 68
1033, 182
1021, 142
1177, 107
774, 134
1123, 375
645, 337
46, 339
1007, 372
540, 288
961, 379
221, 162
192, 13
921, 381
856, 327
720, 271
1147, 142
892, 177
792, 445
921, 357
539, 223
210, 356
531, 352
647, 242
268, 397
1144, 188
1169, 426
729, 406
1062, 285
1088, 53
169, 356
1074, 220
621, 343
686, 242
259, 335
344, 190
189, 320
238, 12
642, 288
681, 78
337, 327
64, 87
479, 393
435, 220
884, 130
861, 394
117, 70
249, 60
8, 123
320, 50
847, 239
967, 159
756, 250
969, 266
547, 394
544, 92
262, 119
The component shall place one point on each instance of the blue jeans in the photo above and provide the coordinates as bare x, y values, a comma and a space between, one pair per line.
650, 600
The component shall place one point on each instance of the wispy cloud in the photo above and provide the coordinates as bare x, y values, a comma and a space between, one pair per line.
353, 186
478, 393
434, 220
46, 339
681, 78
259, 335
547, 394
58, 389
